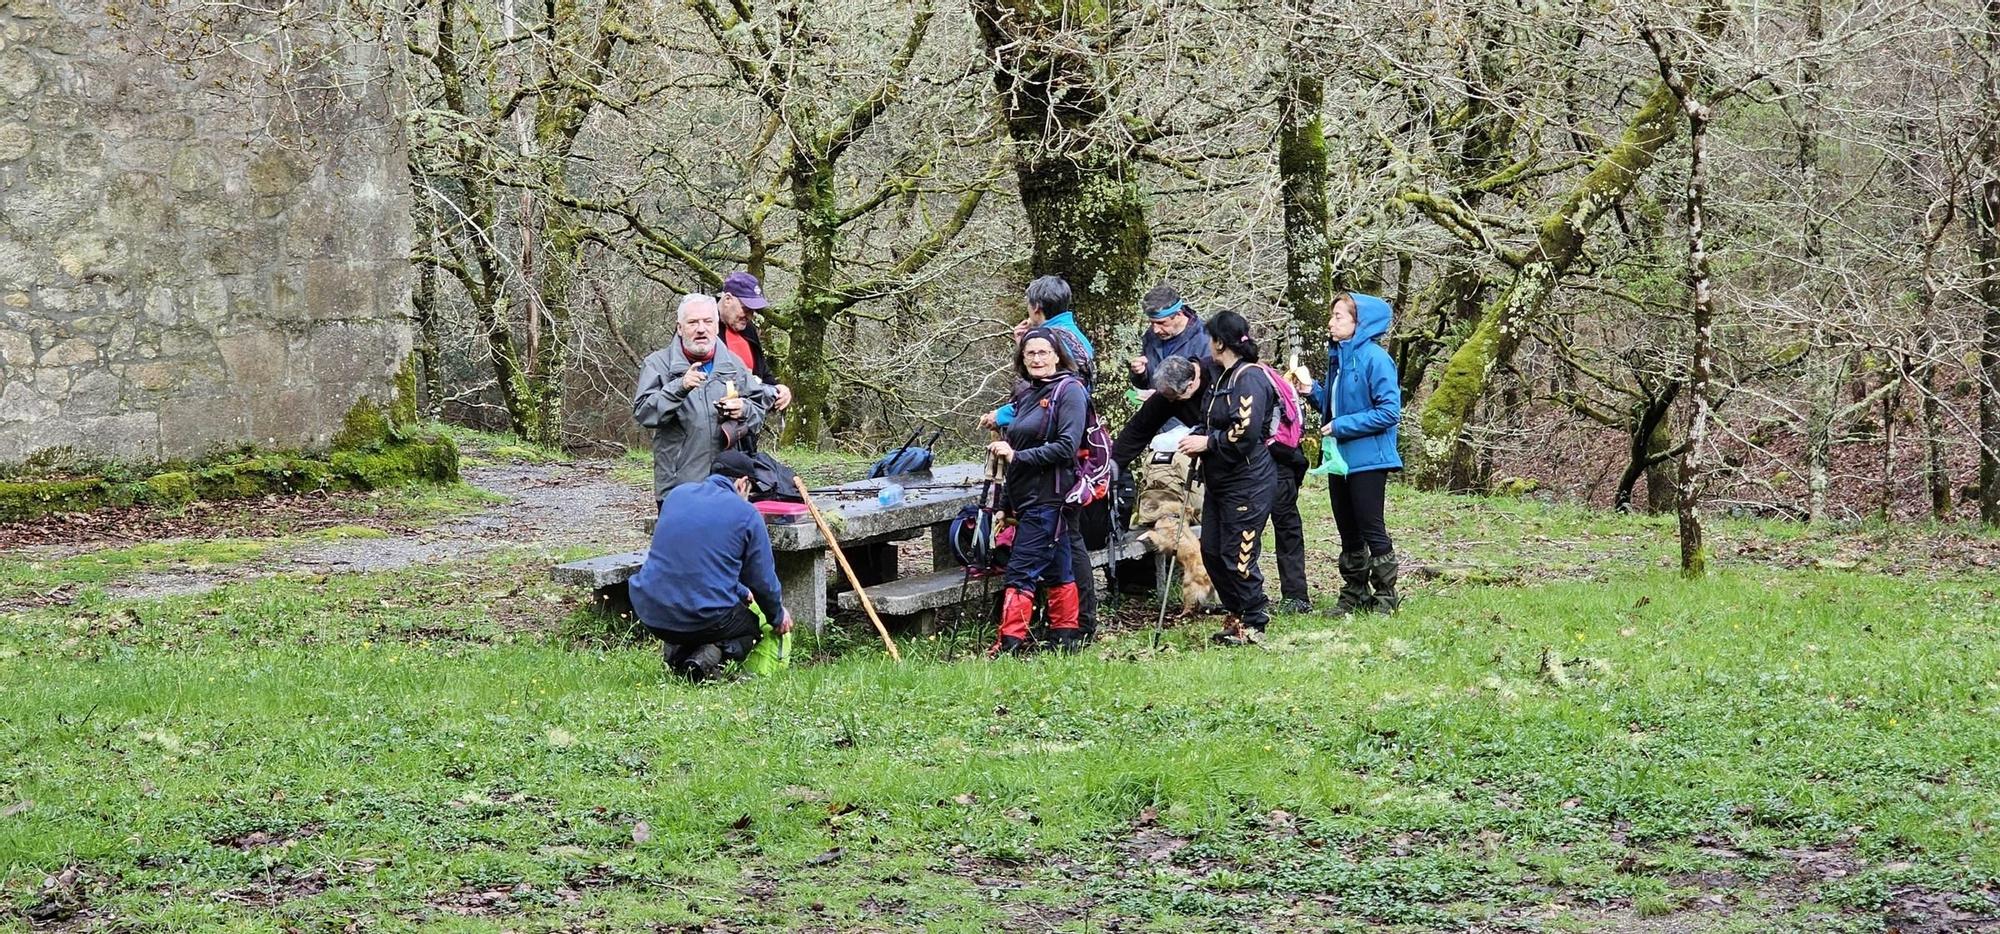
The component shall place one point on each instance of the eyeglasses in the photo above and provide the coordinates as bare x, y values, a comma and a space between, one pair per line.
1037, 353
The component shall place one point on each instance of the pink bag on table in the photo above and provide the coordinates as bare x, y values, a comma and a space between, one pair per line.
778, 508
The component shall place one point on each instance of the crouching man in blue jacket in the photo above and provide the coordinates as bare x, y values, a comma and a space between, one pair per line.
710, 557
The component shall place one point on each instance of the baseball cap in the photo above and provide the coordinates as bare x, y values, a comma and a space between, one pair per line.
747, 289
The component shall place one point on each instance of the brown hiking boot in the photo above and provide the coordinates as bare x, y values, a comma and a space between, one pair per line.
1235, 633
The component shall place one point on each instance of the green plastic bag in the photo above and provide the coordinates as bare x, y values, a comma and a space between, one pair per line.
1330, 461
769, 656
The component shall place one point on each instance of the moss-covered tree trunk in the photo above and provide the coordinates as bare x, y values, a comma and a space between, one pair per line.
578, 63
817, 303
1302, 184
822, 127
1087, 220
1651, 438
1448, 461
1826, 362
1079, 187
1937, 474
1922, 370
1986, 220
424, 308
527, 332
1660, 474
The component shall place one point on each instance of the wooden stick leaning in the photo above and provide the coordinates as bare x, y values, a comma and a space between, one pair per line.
834, 544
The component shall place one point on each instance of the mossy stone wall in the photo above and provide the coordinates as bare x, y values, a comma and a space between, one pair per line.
188, 264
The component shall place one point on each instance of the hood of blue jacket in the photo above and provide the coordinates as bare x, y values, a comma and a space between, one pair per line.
1371, 319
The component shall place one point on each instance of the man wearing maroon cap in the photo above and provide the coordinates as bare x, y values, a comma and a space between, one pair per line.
741, 295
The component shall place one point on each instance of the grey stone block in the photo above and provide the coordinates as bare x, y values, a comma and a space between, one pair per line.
133, 436
601, 571
255, 360
16, 141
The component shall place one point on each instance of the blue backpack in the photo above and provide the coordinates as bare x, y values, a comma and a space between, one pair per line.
906, 459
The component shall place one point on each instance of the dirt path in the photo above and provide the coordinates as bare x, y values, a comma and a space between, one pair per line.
554, 505
548, 505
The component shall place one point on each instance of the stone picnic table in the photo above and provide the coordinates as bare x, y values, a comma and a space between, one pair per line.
868, 532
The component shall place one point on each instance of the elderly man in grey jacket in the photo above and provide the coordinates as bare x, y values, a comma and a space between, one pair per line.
698, 397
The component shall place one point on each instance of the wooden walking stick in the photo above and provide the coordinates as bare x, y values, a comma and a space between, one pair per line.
848, 569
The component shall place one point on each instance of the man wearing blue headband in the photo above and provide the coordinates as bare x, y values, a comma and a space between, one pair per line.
1172, 330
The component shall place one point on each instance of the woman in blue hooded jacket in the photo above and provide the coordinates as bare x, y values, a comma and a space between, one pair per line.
1361, 400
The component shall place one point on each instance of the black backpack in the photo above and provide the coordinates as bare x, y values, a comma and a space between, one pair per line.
773, 480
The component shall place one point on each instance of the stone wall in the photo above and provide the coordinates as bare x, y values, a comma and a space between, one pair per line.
186, 264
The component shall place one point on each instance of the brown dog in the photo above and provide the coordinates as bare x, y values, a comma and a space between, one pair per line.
1169, 534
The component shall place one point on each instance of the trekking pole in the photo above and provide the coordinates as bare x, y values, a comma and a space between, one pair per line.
852, 578
1166, 591
981, 556
895, 459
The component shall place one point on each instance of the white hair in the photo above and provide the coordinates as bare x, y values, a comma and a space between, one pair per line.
689, 302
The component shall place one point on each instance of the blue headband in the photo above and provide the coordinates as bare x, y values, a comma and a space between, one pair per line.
1169, 311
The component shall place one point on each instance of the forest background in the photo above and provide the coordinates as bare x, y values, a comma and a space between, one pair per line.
1643, 254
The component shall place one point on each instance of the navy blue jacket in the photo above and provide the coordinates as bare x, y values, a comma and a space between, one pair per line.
1360, 395
709, 549
1191, 342
1046, 430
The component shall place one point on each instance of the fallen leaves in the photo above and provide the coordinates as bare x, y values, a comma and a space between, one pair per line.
62, 897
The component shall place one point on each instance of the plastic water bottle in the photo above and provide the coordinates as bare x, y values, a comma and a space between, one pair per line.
890, 495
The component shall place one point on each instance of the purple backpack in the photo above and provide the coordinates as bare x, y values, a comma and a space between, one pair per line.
1289, 423
1093, 453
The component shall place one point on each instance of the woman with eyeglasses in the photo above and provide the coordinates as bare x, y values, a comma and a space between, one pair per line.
1039, 449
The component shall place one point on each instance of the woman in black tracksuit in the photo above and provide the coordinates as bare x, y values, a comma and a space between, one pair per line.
1238, 475
1040, 451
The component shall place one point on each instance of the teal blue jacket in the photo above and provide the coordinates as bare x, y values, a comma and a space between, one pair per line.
1360, 394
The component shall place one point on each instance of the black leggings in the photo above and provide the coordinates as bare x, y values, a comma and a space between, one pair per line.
1358, 503
1232, 539
1288, 529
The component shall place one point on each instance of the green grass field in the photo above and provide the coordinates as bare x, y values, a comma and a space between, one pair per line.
1556, 734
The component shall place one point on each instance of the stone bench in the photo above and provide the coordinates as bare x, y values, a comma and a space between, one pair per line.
868, 533
924, 595
599, 572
